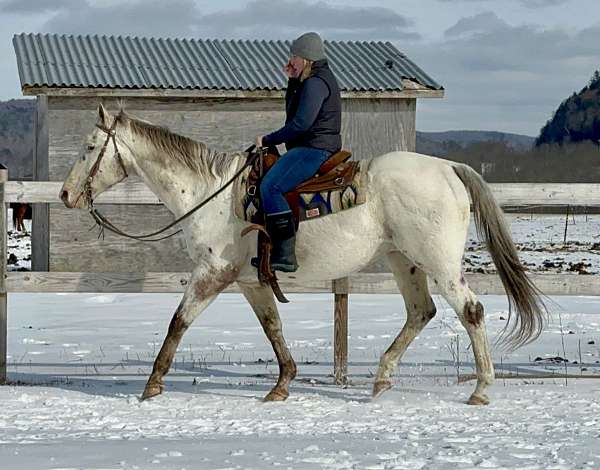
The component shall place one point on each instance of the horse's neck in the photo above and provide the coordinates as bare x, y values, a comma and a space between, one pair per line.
178, 187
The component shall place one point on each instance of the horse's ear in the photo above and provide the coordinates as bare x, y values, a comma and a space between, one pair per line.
103, 115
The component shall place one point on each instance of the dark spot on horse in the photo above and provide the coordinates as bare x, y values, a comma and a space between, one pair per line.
177, 328
209, 249
215, 280
177, 325
473, 313
271, 321
183, 191
428, 315
220, 212
435, 282
432, 312
413, 270
415, 306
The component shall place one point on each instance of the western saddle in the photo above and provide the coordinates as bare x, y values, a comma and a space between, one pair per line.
336, 173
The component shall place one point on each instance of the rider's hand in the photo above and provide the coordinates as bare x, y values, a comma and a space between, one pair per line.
259, 141
289, 70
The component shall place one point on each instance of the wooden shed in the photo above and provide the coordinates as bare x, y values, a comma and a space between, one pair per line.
221, 92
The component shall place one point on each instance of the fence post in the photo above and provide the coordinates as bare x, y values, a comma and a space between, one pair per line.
3, 255
566, 225
340, 342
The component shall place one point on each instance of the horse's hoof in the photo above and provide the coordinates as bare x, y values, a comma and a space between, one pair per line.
277, 395
151, 391
380, 387
478, 400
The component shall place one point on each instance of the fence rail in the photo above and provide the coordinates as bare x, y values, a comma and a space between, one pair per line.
362, 283
508, 195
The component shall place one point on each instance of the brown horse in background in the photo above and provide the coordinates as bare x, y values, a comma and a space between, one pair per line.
20, 212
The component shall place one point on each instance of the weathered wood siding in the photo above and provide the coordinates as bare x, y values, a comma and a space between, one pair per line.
370, 127
39, 221
374, 127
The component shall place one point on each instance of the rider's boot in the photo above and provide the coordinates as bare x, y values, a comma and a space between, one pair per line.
282, 232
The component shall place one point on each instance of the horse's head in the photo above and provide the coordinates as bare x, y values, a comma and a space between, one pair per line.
99, 165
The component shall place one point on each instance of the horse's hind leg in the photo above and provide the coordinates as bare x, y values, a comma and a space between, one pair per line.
263, 304
470, 312
203, 288
420, 309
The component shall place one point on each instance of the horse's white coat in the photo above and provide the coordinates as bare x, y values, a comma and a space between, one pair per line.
416, 207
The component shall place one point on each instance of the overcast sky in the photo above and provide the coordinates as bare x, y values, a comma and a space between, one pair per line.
505, 64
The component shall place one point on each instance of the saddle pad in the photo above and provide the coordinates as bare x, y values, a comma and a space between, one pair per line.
312, 205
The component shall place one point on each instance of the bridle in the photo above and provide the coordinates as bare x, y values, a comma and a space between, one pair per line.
111, 133
103, 221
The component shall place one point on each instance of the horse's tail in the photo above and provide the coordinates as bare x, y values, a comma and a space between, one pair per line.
522, 294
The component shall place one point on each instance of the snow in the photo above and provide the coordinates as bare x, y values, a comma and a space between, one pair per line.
78, 363
85, 359
19, 245
540, 240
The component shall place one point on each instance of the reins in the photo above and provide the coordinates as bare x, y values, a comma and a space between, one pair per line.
104, 223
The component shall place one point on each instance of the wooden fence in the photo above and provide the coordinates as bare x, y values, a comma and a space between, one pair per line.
508, 195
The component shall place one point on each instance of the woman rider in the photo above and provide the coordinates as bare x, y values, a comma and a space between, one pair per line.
311, 135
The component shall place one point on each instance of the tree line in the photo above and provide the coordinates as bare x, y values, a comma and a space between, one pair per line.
500, 163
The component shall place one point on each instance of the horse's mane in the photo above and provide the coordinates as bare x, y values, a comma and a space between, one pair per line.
192, 154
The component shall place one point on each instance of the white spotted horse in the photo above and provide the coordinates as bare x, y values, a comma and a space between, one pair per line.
416, 212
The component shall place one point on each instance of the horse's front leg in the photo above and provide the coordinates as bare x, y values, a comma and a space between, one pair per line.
263, 304
204, 286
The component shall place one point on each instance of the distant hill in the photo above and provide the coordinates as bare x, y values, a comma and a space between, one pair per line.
443, 143
16, 137
577, 119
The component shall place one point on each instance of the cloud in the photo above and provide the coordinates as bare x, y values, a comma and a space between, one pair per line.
257, 19
33, 6
508, 77
542, 3
487, 21
287, 18
147, 18
526, 3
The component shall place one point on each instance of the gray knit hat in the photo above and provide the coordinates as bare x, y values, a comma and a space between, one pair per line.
308, 46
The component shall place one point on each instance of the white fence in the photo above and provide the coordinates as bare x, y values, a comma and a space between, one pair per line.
513, 195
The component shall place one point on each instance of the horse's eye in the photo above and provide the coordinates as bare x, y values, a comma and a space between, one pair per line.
91, 147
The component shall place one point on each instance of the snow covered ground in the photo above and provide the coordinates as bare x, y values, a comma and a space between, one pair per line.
19, 246
540, 240
79, 362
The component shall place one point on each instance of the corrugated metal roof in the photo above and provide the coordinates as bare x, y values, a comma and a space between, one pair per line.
52, 60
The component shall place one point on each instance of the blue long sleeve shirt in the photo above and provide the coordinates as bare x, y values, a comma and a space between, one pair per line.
314, 93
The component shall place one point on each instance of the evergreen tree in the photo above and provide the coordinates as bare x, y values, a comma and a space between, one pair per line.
575, 120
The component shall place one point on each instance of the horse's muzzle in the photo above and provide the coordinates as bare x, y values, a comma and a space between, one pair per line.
64, 196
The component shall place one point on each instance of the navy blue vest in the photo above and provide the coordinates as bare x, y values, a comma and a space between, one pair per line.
324, 134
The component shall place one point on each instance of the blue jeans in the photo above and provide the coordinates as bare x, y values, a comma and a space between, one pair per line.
293, 168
